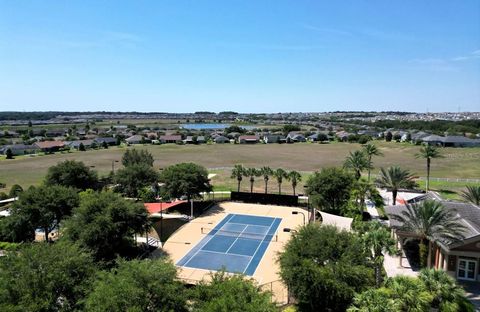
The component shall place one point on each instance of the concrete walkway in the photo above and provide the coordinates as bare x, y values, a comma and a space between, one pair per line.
392, 268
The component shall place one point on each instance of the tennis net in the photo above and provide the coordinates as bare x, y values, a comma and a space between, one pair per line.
246, 235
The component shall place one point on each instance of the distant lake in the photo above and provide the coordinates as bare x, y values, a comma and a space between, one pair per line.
210, 126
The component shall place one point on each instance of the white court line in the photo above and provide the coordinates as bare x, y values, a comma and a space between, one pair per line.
200, 248
256, 250
226, 252
222, 253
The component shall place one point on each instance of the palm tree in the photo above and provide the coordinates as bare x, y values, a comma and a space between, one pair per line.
279, 174
472, 194
371, 150
432, 222
393, 179
294, 177
363, 190
238, 173
378, 240
266, 172
357, 161
428, 152
447, 294
410, 293
252, 173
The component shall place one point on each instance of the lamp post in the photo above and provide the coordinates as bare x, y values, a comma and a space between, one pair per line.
289, 230
297, 212
308, 204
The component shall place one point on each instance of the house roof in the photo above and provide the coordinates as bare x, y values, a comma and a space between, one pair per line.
106, 139
14, 147
49, 144
134, 138
248, 137
468, 213
433, 138
171, 137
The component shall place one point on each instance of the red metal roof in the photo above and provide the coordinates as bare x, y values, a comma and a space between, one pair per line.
157, 207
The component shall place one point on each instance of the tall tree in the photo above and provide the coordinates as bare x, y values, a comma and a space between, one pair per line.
237, 173
280, 174
294, 177
138, 285
472, 194
45, 277
432, 223
371, 150
135, 157
393, 179
251, 173
428, 152
324, 267
356, 161
185, 179
230, 293
105, 223
9, 154
378, 241
133, 178
44, 207
363, 190
71, 173
266, 173
330, 189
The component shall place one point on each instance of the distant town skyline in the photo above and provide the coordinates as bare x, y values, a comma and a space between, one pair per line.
244, 56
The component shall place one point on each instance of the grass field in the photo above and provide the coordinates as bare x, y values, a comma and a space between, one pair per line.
304, 157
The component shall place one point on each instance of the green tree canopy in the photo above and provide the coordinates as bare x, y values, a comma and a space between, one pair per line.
230, 293
185, 179
106, 223
133, 178
324, 268
15, 191
294, 177
330, 189
393, 179
432, 222
42, 207
357, 161
134, 157
71, 173
45, 277
472, 194
137, 285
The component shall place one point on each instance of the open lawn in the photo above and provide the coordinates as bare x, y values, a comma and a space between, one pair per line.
304, 157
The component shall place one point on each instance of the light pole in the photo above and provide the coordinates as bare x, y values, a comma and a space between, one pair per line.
288, 230
297, 212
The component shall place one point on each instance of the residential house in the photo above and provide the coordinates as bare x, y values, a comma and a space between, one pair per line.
248, 139
170, 139
461, 259
274, 138
318, 137
19, 149
135, 139
220, 139
459, 141
433, 140
50, 146
201, 139
76, 144
296, 137
110, 141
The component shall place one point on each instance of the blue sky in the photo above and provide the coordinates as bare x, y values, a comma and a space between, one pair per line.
246, 56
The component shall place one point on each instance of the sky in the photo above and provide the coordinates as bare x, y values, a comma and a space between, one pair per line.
240, 55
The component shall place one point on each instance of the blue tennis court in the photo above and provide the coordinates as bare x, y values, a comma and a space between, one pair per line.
236, 244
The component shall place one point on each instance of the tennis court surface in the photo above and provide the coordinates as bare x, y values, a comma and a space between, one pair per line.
236, 244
